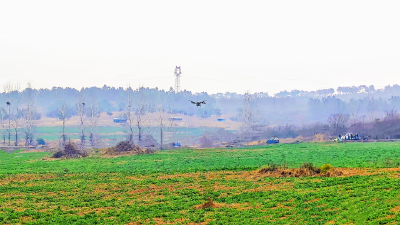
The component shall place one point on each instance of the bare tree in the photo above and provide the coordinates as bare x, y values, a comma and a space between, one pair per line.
13, 102
29, 114
81, 113
130, 113
391, 114
93, 120
3, 113
63, 110
354, 110
251, 114
163, 118
338, 122
140, 112
247, 111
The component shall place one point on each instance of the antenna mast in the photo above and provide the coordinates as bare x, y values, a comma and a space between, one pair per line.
177, 78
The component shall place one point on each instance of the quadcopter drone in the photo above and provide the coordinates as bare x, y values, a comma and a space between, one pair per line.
198, 103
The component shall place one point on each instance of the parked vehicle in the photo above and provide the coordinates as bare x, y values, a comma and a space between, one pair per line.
273, 140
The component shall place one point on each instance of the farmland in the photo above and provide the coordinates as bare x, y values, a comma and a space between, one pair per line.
110, 135
170, 186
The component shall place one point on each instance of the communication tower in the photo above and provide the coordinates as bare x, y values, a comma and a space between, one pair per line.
177, 78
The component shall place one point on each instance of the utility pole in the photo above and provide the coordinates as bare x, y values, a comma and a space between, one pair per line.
177, 79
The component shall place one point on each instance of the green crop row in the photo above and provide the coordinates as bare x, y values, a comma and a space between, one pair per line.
106, 198
385, 154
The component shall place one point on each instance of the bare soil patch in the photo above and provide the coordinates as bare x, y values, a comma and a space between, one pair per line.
334, 172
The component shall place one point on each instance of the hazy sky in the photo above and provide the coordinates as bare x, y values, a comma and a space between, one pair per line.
234, 46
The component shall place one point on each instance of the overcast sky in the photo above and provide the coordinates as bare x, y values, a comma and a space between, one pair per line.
267, 46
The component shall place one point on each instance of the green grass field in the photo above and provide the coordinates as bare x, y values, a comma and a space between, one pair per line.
169, 186
117, 132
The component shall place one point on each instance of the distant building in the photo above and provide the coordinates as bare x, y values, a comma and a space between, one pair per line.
175, 119
120, 120
221, 120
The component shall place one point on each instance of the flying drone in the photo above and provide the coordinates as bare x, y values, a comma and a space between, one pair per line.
198, 103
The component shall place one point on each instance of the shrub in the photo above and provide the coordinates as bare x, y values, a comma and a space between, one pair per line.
127, 147
40, 141
325, 168
310, 167
269, 168
205, 142
70, 151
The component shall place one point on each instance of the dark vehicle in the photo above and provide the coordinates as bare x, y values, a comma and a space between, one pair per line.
273, 140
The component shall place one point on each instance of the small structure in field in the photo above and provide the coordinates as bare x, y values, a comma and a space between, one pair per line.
175, 119
120, 120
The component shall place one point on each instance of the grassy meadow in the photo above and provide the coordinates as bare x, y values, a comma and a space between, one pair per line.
169, 187
113, 134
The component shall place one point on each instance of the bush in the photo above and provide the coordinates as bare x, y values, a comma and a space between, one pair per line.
310, 167
40, 141
325, 168
127, 147
70, 151
269, 168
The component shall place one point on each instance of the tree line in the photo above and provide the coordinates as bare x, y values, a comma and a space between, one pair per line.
340, 109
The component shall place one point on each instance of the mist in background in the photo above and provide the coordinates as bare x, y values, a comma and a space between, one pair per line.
221, 46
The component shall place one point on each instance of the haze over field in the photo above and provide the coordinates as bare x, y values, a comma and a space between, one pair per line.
220, 45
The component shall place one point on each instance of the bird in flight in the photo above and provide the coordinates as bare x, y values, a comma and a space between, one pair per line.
198, 103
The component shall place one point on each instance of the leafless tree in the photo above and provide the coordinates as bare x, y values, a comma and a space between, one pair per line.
29, 114
93, 121
391, 114
130, 115
13, 102
251, 114
354, 110
63, 109
338, 122
3, 113
247, 110
140, 112
163, 118
82, 117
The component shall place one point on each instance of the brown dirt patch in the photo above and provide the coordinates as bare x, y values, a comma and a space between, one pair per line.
33, 150
211, 204
161, 221
26, 219
335, 172
49, 159
208, 204
25, 177
395, 209
96, 210
314, 200
135, 178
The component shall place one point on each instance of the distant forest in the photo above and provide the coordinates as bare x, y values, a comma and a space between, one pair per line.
364, 110
295, 107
